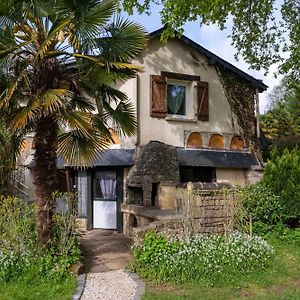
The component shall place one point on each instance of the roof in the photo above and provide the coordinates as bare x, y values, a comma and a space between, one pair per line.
216, 158
30, 162
109, 158
186, 157
116, 157
214, 59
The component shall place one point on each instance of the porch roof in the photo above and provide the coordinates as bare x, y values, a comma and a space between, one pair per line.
109, 158
216, 158
116, 157
186, 157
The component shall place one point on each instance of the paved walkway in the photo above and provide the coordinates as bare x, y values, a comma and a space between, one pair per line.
105, 250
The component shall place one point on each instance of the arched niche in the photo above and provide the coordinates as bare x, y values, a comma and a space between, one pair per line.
216, 141
237, 143
194, 140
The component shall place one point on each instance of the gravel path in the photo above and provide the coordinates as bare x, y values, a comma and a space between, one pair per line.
113, 285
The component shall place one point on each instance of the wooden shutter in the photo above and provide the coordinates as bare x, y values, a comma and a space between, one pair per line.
202, 101
158, 96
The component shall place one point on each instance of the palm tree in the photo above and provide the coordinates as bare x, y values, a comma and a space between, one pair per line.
59, 62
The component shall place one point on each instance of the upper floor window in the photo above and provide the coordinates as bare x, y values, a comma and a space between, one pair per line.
176, 99
173, 94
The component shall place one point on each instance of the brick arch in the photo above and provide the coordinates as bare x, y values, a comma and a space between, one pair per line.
194, 140
237, 143
216, 141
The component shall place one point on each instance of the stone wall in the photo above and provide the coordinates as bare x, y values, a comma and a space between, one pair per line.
206, 209
155, 162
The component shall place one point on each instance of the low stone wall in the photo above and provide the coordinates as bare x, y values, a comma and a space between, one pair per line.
206, 210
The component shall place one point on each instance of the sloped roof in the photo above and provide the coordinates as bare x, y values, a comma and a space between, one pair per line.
216, 158
186, 157
214, 59
109, 158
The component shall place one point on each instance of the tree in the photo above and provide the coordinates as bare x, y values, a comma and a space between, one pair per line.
263, 32
60, 60
281, 123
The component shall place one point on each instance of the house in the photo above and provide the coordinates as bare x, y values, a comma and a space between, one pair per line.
197, 122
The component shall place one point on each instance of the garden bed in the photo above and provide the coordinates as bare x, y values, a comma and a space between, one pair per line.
281, 280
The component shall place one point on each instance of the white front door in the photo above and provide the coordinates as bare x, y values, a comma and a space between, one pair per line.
105, 200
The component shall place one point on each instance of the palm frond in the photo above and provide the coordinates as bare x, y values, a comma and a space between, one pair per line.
89, 18
23, 116
54, 99
79, 121
123, 40
78, 150
122, 117
53, 35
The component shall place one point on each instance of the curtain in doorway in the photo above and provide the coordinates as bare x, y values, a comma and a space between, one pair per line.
82, 193
108, 182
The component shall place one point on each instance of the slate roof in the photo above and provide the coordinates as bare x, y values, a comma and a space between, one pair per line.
214, 59
186, 157
110, 158
116, 157
216, 158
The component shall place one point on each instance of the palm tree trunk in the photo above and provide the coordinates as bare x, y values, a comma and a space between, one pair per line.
45, 175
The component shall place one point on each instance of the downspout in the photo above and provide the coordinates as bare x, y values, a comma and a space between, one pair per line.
138, 117
259, 154
257, 113
68, 180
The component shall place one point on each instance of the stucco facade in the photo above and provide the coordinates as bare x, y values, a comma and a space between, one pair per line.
143, 170
179, 58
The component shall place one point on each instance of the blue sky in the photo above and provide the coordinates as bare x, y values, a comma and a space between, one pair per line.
214, 40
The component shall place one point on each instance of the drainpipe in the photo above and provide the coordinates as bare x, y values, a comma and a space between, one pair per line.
68, 181
257, 113
138, 117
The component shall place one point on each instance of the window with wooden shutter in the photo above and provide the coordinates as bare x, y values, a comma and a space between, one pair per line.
158, 96
202, 101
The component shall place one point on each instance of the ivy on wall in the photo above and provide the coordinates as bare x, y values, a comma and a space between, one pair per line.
241, 97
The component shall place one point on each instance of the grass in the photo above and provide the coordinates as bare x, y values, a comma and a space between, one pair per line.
27, 288
279, 282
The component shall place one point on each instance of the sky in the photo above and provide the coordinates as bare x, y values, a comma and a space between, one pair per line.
216, 41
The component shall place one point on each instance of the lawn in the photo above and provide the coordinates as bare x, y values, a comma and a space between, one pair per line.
281, 281
27, 288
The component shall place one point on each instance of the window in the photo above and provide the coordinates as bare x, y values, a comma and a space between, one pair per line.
173, 94
197, 174
176, 99
105, 185
82, 185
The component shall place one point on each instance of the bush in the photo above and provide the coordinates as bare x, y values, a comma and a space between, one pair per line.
282, 178
19, 250
202, 258
261, 204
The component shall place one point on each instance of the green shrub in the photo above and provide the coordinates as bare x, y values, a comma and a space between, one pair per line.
282, 178
261, 204
19, 250
203, 258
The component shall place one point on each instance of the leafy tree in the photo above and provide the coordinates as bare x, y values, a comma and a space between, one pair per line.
60, 60
261, 32
281, 123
